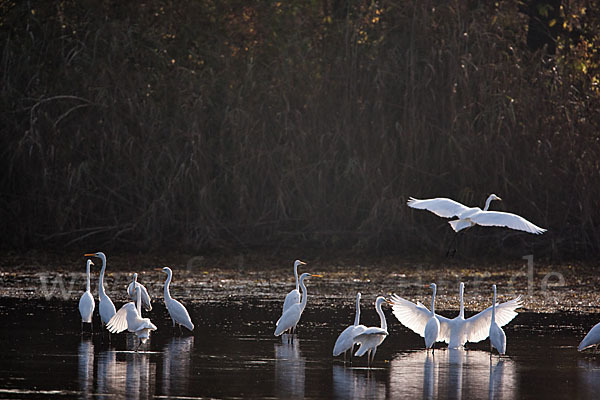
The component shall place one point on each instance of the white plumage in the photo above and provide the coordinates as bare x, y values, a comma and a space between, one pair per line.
432, 328
372, 337
293, 297
497, 335
86, 302
106, 308
290, 318
591, 339
346, 341
146, 301
179, 314
457, 331
470, 216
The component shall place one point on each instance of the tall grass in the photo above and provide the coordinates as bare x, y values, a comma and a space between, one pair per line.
202, 124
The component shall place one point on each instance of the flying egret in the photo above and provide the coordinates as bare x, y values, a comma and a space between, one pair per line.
372, 337
497, 336
432, 328
129, 317
456, 331
106, 307
86, 302
591, 339
291, 316
293, 297
146, 301
346, 341
177, 311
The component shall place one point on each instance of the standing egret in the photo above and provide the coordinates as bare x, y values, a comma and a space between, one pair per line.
591, 339
290, 318
106, 307
432, 328
86, 302
372, 337
146, 301
497, 336
177, 311
293, 297
129, 317
457, 331
346, 341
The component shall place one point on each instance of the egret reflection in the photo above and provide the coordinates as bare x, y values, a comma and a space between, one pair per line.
588, 376
86, 367
289, 369
176, 365
357, 383
453, 373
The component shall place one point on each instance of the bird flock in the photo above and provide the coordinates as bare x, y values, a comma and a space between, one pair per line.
434, 328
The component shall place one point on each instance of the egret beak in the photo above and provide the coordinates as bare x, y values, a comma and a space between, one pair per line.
158, 269
89, 255
389, 301
302, 262
317, 276
91, 263
498, 198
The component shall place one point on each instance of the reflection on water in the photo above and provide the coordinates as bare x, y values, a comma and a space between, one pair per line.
356, 383
588, 376
453, 373
176, 365
289, 368
85, 355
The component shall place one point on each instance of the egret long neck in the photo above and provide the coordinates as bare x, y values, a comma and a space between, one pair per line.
494, 306
167, 284
101, 281
357, 317
87, 271
462, 304
433, 300
381, 316
304, 294
138, 300
487, 203
296, 275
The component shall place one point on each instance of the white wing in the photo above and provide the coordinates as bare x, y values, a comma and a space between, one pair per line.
180, 314
146, 301
477, 328
508, 220
118, 323
293, 297
415, 317
440, 206
592, 338
368, 332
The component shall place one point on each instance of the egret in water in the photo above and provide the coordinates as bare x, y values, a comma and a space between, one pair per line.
86, 302
456, 331
432, 328
346, 341
106, 307
177, 311
290, 318
372, 337
146, 301
129, 317
591, 339
497, 336
293, 297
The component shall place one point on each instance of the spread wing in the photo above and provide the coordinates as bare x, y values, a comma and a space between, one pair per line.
118, 323
440, 206
508, 220
477, 328
415, 317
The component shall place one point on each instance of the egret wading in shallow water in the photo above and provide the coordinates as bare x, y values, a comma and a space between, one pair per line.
293, 297
290, 318
432, 328
591, 339
497, 335
129, 317
106, 308
471, 216
86, 302
456, 331
346, 341
146, 301
372, 337
177, 311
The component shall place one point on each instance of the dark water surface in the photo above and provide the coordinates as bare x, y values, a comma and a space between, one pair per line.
233, 354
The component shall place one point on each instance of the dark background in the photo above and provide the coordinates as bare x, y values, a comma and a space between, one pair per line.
260, 124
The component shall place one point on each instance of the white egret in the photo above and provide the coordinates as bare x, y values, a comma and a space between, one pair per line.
177, 311
106, 307
86, 302
146, 301
372, 337
346, 341
432, 328
129, 317
457, 331
470, 216
591, 339
293, 297
497, 336
291, 316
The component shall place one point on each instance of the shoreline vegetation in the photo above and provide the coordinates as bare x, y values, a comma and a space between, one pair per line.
208, 125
